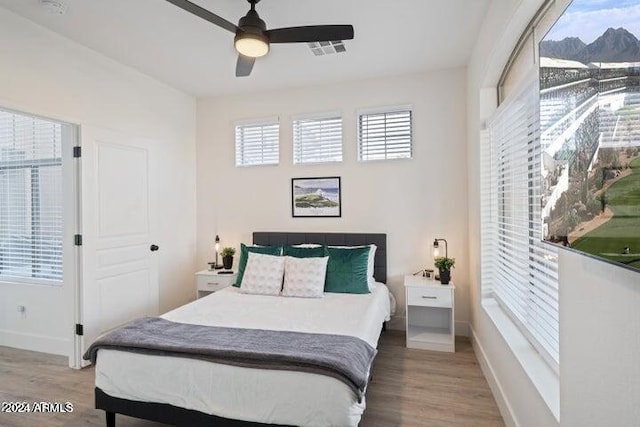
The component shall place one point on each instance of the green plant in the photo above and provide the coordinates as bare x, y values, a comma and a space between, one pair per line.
228, 251
444, 263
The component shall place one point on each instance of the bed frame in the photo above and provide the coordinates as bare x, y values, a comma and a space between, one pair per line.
165, 413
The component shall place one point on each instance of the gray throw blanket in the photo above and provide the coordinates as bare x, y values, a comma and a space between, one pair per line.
346, 358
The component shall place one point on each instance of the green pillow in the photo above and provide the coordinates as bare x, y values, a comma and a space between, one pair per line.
347, 271
244, 254
305, 252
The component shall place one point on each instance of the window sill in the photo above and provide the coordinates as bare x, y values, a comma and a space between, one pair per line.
544, 379
23, 281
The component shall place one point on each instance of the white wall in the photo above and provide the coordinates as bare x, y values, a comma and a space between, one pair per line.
44, 74
600, 343
599, 320
413, 201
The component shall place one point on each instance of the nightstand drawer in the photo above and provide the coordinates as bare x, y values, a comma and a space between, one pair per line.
212, 285
429, 297
212, 282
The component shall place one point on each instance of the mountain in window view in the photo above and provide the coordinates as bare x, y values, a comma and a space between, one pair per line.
615, 45
561, 49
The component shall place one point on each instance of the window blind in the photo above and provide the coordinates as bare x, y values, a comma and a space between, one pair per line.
518, 269
385, 134
258, 143
31, 226
317, 139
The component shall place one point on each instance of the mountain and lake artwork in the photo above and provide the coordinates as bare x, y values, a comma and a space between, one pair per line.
315, 197
590, 130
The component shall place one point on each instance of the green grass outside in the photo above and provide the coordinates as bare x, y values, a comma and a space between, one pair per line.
623, 230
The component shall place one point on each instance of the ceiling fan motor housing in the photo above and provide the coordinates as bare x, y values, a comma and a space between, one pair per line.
251, 26
252, 21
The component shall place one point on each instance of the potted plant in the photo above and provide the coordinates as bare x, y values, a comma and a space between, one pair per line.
227, 257
445, 265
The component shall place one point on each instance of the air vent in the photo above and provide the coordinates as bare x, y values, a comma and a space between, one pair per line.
54, 6
327, 48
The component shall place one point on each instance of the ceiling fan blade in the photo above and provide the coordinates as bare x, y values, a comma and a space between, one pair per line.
204, 14
244, 65
314, 33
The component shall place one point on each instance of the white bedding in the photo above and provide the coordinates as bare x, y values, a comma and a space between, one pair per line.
266, 396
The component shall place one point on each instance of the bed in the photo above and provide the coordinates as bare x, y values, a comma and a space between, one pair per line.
196, 392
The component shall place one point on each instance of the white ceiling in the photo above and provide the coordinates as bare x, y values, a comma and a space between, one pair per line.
392, 37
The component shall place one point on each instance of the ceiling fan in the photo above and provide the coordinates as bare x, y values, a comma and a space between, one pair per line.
252, 37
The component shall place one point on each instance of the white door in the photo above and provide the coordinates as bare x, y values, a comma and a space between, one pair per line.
119, 273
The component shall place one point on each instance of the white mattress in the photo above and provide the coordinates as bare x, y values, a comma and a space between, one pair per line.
266, 396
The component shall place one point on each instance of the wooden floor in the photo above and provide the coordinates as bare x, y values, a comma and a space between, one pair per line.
409, 388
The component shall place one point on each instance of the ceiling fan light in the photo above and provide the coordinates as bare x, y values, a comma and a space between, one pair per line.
251, 45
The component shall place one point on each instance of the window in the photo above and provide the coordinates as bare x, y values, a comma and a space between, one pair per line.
317, 139
590, 132
31, 226
518, 269
258, 143
385, 134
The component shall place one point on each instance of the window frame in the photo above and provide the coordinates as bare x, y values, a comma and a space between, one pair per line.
331, 115
262, 122
384, 110
32, 168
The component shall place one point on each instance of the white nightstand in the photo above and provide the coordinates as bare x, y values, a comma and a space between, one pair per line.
430, 314
209, 281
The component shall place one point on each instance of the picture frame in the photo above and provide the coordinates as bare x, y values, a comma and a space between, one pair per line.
316, 197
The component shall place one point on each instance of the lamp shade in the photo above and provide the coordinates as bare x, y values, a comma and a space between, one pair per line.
436, 247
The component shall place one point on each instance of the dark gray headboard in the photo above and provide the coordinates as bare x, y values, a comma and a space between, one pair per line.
269, 238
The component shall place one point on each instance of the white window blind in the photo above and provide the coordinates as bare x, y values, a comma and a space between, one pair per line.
317, 139
258, 143
518, 270
31, 226
385, 134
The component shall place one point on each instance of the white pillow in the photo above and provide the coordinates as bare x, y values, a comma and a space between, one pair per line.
263, 274
371, 281
304, 277
307, 245
370, 267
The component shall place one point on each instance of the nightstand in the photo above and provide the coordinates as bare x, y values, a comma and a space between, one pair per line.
429, 315
209, 281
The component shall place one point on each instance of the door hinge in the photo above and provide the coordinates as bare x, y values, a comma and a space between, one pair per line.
79, 329
77, 240
77, 151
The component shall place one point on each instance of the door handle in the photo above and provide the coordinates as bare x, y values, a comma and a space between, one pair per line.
154, 248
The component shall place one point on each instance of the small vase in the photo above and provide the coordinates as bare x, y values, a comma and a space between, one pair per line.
445, 276
227, 262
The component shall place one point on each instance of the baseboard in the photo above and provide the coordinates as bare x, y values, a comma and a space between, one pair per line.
34, 342
494, 384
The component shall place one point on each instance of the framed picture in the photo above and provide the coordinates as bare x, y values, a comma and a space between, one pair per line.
316, 197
